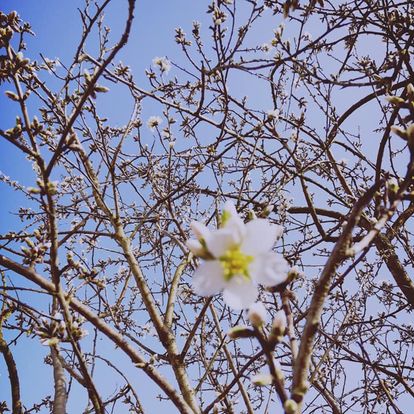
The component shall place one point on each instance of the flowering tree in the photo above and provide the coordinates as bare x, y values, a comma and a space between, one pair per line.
218, 252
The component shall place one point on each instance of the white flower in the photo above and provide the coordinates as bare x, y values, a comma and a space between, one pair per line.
257, 314
238, 257
153, 122
163, 63
273, 114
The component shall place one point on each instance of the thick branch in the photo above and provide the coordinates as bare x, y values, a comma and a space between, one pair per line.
59, 405
13, 375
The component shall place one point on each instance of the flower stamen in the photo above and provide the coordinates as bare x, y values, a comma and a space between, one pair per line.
235, 262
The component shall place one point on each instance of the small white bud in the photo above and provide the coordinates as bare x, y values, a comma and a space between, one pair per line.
257, 314
262, 379
395, 100
273, 114
199, 230
279, 323
240, 331
195, 247
290, 407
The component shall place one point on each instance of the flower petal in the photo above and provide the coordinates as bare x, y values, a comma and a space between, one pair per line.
208, 279
260, 236
231, 209
220, 241
199, 230
257, 314
195, 247
269, 269
240, 293
234, 222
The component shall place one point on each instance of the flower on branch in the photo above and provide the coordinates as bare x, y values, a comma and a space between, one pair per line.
257, 314
279, 324
237, 257
273, 114
163, 63
153, 122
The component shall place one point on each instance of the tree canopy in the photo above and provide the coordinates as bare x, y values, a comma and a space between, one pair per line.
291, 119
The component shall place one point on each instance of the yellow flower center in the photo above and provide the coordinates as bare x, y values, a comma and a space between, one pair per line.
235, 262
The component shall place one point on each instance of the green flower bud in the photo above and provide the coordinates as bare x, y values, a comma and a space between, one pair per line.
290, 407
240, 331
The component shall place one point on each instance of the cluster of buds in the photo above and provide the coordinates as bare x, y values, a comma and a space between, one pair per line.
37, 127
122, 70
273, 114
162, 63
34, 252
392, 186
91, 87
278, 329
406, 133
266, 210
17, 64
51, 187
278, 33
51, 332
257, 315
16, 131
77, 332
289, 5
84, 273
406, 102
8, 25
218, 15
292, 5
290, 406
180, 37
20, 63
